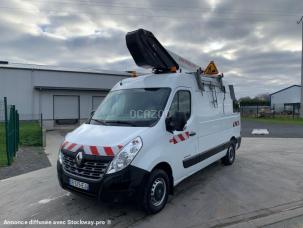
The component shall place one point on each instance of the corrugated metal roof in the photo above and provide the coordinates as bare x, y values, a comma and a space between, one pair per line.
285, 89
62, 69
71, 88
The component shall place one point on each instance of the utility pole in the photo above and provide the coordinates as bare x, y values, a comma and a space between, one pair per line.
301, 105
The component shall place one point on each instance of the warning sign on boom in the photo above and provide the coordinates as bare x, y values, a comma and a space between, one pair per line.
211, 69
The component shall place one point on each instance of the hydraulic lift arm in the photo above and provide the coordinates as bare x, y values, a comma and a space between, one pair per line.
148, 52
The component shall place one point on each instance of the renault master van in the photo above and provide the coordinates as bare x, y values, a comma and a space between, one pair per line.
151, 131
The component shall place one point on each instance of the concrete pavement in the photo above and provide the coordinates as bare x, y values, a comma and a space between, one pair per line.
276, 130
263, 187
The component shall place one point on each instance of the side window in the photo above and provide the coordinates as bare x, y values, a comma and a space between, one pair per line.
181, 103
174, 105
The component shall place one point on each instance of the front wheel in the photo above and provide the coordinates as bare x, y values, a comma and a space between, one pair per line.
230, 154
156, 191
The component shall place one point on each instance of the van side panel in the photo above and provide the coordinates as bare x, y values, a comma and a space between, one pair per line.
158, 149
212, 112
217, 125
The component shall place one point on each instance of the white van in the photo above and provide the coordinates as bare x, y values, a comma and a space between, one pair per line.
149, 134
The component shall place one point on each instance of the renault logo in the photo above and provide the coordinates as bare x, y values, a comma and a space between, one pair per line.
79, 158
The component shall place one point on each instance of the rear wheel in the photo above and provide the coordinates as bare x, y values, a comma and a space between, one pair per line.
230, 154
156, 191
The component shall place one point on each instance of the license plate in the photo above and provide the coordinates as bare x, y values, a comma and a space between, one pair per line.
79, 184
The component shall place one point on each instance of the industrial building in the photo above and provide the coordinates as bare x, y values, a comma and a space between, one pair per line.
63, 96
286, 100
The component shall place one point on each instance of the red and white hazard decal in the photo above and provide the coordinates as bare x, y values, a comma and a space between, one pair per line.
92, 150
179, 138
236, 123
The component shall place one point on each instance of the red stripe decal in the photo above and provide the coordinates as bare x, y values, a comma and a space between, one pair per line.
108, 151
187, 134
181, 137
64, 144
175, 140
94, 150
236, 123
71, 146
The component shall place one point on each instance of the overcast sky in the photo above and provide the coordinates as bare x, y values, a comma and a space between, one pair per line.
257, 44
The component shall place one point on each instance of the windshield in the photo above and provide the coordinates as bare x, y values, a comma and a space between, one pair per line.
132, 107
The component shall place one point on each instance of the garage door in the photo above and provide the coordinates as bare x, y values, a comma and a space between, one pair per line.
96, 102
66, 108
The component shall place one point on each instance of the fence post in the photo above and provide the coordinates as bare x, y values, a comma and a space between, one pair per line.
6, 132
14, 128
41, 129
17, 130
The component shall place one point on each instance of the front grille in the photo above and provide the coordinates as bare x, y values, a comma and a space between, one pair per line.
91, 169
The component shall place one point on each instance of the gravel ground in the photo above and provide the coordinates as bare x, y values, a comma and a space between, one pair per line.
27, 159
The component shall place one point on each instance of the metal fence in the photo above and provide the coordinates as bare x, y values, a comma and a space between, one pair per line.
9, 132
266, 111
15, 133
3, 156
31, 133
254, 111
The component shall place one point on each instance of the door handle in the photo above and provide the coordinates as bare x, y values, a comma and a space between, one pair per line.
192, 133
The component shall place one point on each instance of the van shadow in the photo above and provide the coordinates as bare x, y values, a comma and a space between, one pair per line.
127, 213
198, 179
186, 186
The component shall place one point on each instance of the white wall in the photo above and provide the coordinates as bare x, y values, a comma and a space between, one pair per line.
290, 95
85, 101
74, 80
18, 85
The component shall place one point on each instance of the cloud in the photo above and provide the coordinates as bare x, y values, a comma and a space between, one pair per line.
256, 44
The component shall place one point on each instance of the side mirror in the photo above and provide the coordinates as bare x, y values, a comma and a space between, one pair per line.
176, 122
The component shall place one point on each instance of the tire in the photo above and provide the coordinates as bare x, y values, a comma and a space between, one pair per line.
230, 154
155, 193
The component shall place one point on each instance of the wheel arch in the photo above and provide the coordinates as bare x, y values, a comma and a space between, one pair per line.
167, 168
233, 140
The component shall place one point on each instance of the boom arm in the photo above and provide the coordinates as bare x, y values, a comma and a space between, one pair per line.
148, 52
184, 64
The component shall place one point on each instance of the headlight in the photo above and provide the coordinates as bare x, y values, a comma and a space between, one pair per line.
125, 156
60, 157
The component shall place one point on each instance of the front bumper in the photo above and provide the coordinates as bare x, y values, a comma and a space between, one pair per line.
119, 186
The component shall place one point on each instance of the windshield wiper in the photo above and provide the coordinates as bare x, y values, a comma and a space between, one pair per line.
121, 122
107, 122
100, 121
